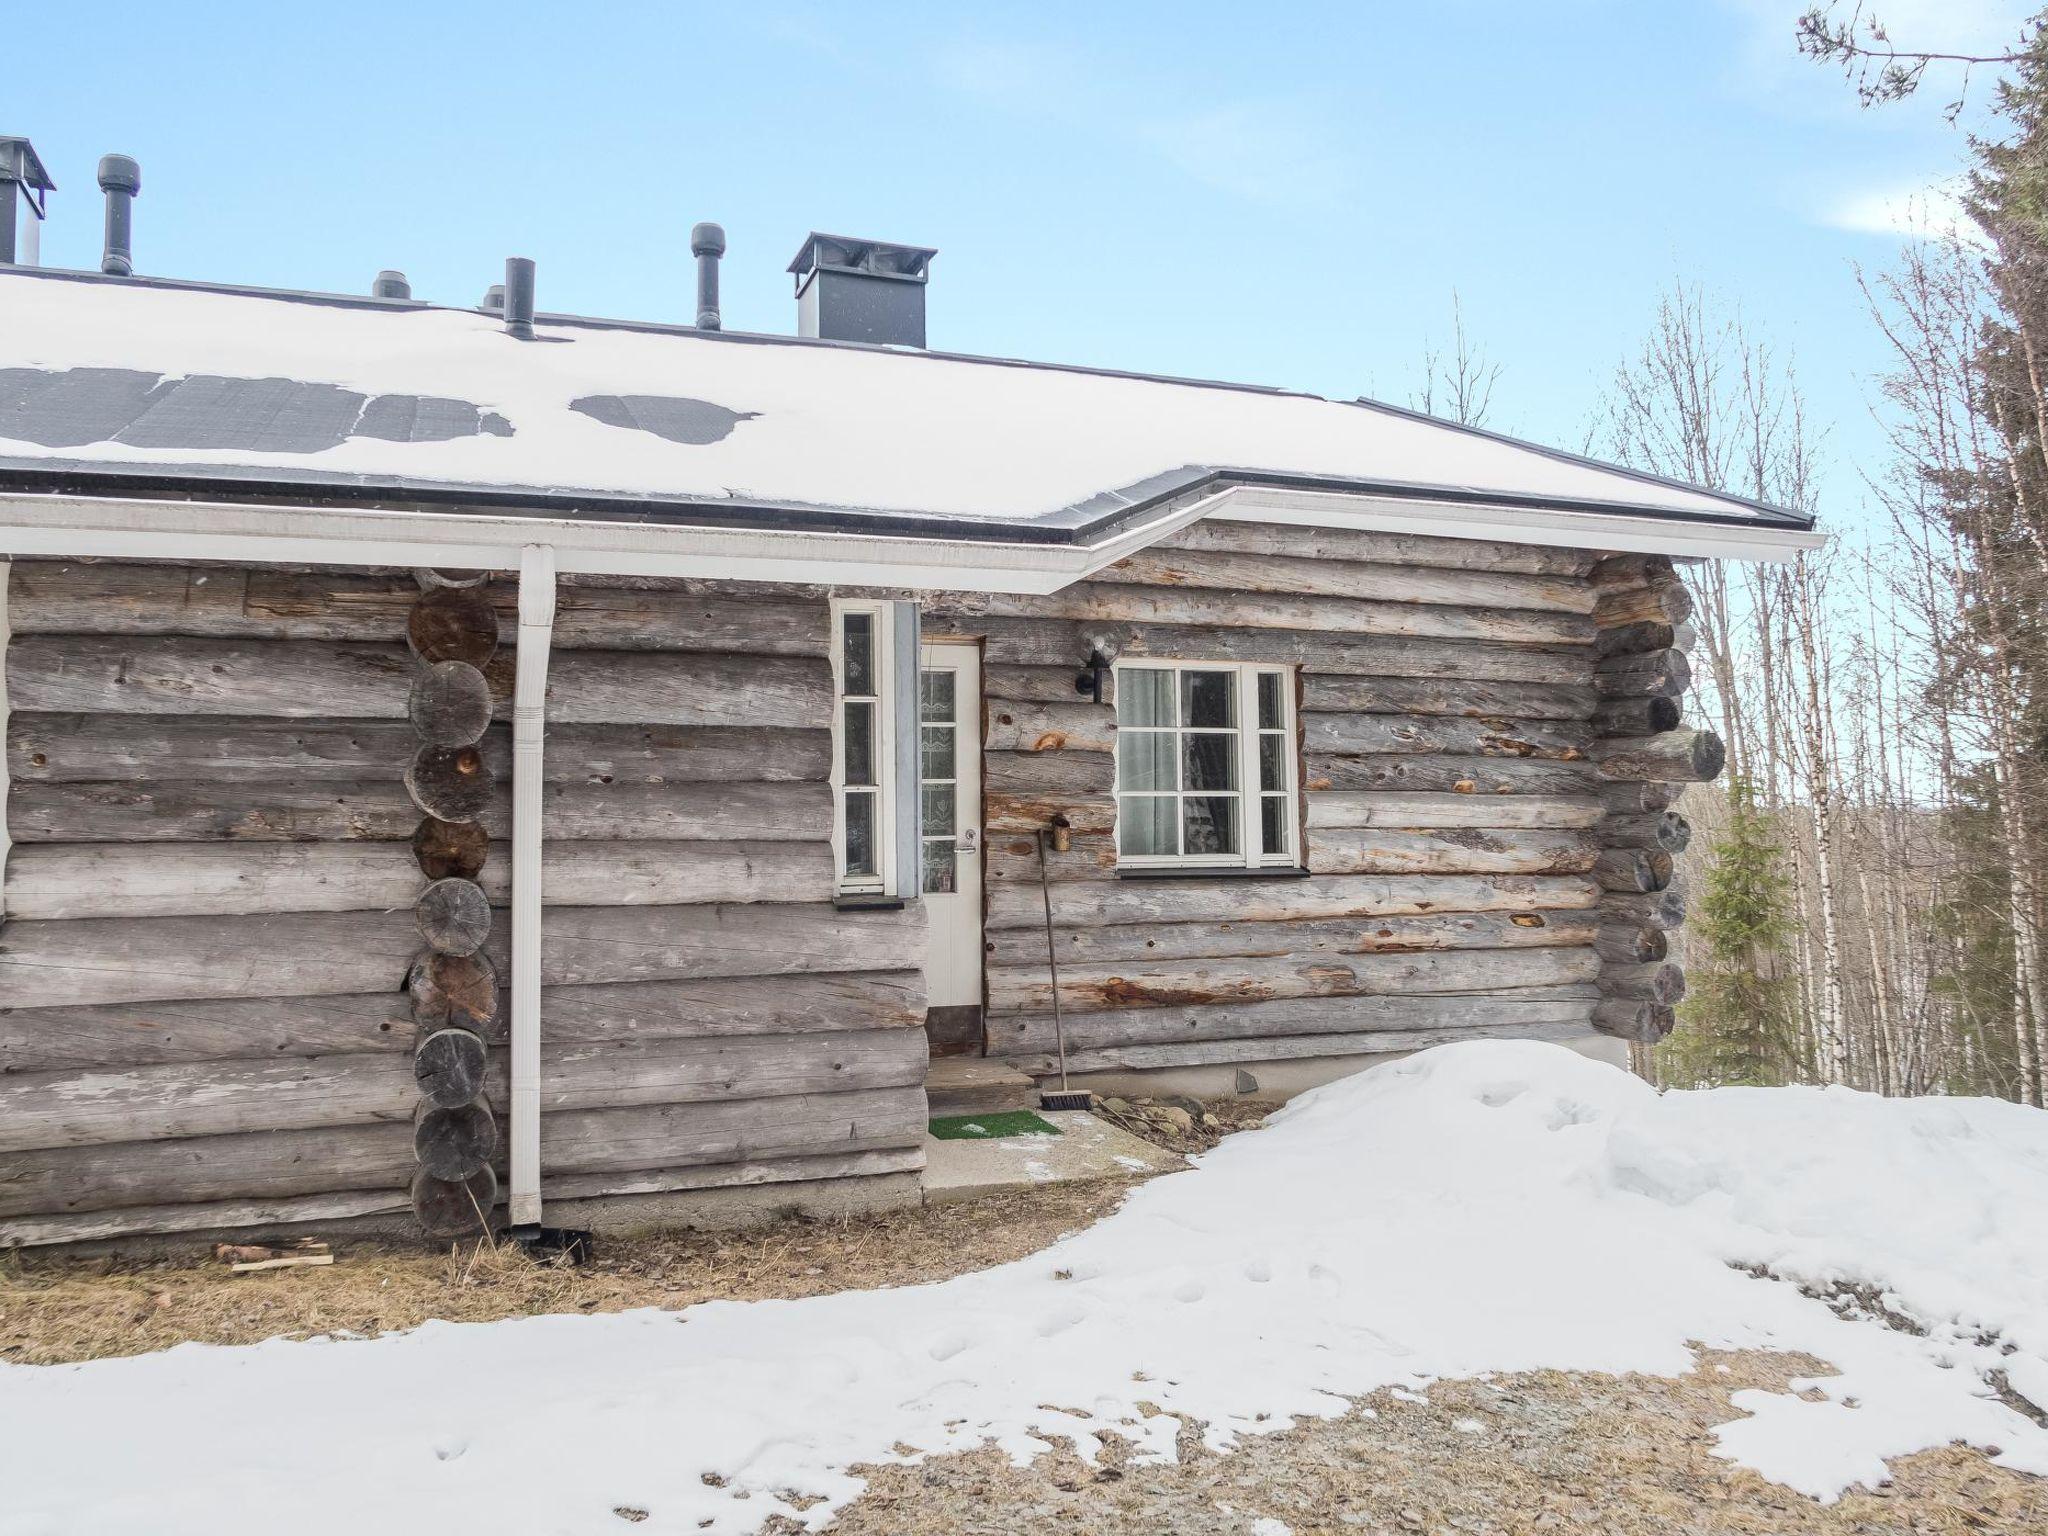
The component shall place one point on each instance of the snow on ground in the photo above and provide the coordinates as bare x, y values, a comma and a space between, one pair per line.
1488, 1207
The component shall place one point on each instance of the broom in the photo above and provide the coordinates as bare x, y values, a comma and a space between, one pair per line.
1064, 1097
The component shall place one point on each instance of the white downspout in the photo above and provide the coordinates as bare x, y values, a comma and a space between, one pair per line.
529, 714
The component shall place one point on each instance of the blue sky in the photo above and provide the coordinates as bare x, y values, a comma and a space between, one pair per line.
1285, 194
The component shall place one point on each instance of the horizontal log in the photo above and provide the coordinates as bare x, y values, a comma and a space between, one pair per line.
168, 810
1040, 774
1334, 692
303, 679
701, 1134
119, 960
453, 1143
615, 1074
1630, 943
1637, 797
1665, 674
1020, 726
203, 1216
1450, 851
141, 1034
1646, 1023
451, 1208
1664, 602
1637, 717
1087, 903
1023, 948
1106, 602
1116, 1058
1666, 830
1657, 981
71, 597
1022, 1036
66, 748
899, 1164
1052, 642
1431, 774
1645, 635
1397, 808
1632, 870
1010, 856
1615, 572
1013, 813
1368, 735
1381, 581
1655, 909
1676, 757
1044, 684
1311, 543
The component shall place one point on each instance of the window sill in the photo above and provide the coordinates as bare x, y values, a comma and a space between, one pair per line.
1212, 872
875, 902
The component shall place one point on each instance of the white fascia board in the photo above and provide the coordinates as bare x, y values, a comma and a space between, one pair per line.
1629, 533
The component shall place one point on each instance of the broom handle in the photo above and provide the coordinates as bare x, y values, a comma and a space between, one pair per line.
1052, 962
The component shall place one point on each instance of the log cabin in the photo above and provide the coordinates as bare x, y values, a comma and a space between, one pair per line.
470, 763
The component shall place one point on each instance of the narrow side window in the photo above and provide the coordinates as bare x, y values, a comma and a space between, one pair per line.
863, 756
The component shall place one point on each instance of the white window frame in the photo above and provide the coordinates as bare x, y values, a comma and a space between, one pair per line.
883, 629
1251, 854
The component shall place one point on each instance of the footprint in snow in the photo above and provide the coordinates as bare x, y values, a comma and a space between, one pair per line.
452, 1451
1258, 1271
1191, 1291
946, 1346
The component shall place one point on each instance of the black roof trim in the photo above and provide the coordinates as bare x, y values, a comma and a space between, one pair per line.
1771, 514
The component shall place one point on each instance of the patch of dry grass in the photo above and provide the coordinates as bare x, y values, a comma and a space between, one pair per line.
55, 1309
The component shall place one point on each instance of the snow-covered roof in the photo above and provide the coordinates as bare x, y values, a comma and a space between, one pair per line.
111, 379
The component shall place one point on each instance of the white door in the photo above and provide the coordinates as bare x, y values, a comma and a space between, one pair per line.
949, 757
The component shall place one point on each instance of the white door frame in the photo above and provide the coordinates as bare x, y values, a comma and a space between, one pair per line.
953, 956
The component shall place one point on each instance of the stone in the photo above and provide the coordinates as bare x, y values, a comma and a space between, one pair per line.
1176, 1117
1246, 1083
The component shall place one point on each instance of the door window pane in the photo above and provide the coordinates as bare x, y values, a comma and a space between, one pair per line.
935, 695
938, 810
941, 866
1208, 699
938, 752
1146, 824
1145, 697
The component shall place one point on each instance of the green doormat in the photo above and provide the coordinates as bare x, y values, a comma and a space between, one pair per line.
1008, 1122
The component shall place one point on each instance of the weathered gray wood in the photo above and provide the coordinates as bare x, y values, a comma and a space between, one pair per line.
698, 1009
1676, 757
454, 1208
68, 748
1334, 692
1293, 1048
1022, 949
1242, 978
1010, 813
453, 783
739, 811
49, 597
1398, 808
1020, 726
1658, 981
710, 1133
141, 1034
1664, 602
1050, 642
1630, 943
453, 624
448, 1064
1654, 909
454, 1141
1045, 774
1087, 903
1647, 635
1312, 543
454, 991
1102, 601
450, 704
617, 1073
1648, 674
1637, 717
202, 1216
895, 1166
450, 849
1652, 829
1633, 870
1044, 685
1431, 774
453, 916
1449, 851
1235, 571
1368, 735
1615, 572
1637, 797
1010, 854
674, 689
1646, 1023
121, 960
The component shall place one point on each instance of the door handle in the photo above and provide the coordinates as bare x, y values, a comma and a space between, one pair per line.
967, 842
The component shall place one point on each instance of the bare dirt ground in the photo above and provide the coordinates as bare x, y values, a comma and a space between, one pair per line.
1545, 1453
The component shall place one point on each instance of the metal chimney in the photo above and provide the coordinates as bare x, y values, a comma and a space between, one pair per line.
390, 285
494, 298
121, 180
20, 167
519, 297
707, 244
861, 290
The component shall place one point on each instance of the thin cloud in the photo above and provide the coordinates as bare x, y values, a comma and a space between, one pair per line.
1911, 211
1251, 149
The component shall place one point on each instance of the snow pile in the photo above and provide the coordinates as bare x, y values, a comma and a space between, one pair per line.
1487, 1207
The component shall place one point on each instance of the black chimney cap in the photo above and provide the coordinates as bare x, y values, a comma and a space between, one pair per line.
19, 162
873, 258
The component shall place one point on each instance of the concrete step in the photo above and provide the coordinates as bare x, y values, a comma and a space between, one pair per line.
975, 1085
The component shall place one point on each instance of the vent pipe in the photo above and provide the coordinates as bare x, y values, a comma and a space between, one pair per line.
121, 180
707, 244
519, 297
390, 285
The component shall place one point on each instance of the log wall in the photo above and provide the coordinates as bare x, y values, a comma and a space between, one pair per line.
1485, 733
210, 923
